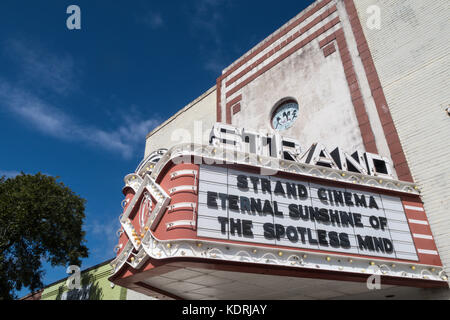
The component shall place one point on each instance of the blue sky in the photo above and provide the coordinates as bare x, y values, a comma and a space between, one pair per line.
78, 103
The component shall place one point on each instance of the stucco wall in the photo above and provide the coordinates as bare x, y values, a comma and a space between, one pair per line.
411, 52
191, 124
336, 104
318, 84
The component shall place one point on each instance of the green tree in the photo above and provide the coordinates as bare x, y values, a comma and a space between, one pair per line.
40, 220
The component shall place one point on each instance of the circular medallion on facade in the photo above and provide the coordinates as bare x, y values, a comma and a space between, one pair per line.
285, 115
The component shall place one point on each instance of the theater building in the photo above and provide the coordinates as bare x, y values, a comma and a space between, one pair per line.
317, 167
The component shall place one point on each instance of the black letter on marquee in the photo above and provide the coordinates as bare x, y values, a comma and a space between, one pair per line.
346, 219
302, 192
247, 226
357, 218
292, 235
378, 244
322, 194
348, 199
311, 240
293, 212
373, 203
245, 205
235, 227
255, 182
338, 199
223, 224
388, 246
303, 214
223, 198
242, 182
269, 231
233, 202
334, 217
345, 241
314, 214
279, 189
374, 222
256, 206
302, 232
324, 217
334, 239
366, 243
267, 208
291, 191
279, 231
277, 212
265, 186
383, 222
322, 235
360, 202
212, 197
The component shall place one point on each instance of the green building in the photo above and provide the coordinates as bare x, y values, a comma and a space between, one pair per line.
94, 286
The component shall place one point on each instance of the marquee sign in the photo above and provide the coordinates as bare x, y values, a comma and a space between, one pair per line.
279, 147
240, 206
195, 202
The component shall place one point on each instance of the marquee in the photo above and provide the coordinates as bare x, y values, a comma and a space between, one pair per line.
235, 205
198, 203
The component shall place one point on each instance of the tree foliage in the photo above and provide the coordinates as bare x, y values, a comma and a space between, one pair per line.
40, 220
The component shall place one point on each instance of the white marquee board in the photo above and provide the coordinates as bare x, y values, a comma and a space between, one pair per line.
364, 223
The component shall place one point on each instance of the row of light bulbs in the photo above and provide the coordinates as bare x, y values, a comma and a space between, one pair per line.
305, 256
328, 259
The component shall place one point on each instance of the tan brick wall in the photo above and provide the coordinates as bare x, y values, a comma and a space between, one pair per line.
411, 53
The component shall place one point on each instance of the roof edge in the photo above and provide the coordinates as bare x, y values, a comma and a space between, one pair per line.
187, 107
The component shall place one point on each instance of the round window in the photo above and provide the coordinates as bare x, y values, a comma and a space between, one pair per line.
285, 115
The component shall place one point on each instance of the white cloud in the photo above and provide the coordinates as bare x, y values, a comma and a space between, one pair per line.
103, 235
41, 68
154, 20
52, 121
9, 173
214, 64
207, 18
206, 21
104, 229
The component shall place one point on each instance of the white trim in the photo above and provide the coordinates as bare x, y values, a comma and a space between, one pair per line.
430, 252
182, 205
183, 173
414, 208
183, 189
422, 222
422, 236
180, 224
212, 154
220, 251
